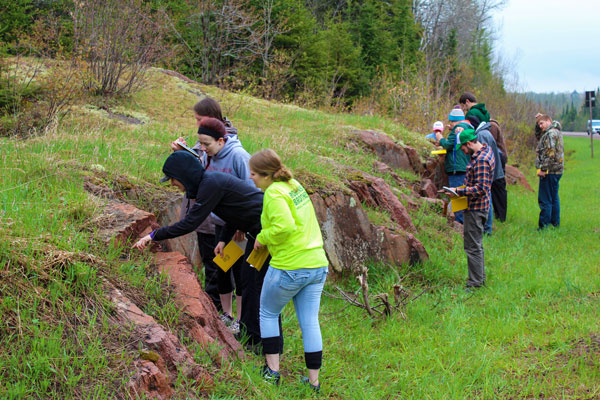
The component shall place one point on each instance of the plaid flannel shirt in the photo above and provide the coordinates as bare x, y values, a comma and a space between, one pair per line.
478, 181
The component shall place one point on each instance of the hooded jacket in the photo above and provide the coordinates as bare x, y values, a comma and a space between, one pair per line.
478, 114
231, 199
484, 135
550, 154
539, 132
208, 226
232, 159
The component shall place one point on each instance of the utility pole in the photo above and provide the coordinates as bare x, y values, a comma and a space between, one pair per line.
590, 101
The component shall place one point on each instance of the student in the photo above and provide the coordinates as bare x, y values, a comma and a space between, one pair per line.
298, 266
456, 161
475, 112
549, 161
478, 183
236, 202
209, 107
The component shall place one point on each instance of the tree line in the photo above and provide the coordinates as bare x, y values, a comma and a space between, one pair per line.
405, 59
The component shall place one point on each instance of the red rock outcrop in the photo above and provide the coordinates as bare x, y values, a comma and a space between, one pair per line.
122, 221
376, 193
170, 356
186, 244
203, 324
350, 239
514, 176
149, 381
434, 170
415, 160
389, 151
428, 189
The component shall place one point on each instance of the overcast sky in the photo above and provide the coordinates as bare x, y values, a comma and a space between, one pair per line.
554, 45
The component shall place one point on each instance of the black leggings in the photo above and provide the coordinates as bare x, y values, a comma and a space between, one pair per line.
206, 246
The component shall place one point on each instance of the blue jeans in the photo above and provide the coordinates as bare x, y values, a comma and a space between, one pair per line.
303, 286
490, 219
456, 181
549, 201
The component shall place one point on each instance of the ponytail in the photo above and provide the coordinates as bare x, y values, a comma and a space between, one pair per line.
267, 163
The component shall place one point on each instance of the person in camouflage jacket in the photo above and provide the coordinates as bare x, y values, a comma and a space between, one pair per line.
549, 161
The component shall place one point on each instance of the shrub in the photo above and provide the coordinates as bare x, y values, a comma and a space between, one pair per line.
119, 41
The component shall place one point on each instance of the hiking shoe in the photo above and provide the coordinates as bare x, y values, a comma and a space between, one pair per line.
270, 376
227, 319
306, 381
235, 327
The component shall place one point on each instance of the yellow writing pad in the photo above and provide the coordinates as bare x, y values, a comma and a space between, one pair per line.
231, 253
258, 257
459, 203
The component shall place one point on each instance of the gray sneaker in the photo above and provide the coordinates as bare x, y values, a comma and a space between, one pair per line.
234, 327
227, 319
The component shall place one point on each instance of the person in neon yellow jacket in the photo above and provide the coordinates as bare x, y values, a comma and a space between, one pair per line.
298, 266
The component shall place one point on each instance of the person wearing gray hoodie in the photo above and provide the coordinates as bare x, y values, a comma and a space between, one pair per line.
485, 136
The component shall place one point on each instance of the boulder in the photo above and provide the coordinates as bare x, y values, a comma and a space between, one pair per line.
386, 149
149, 381
415, 160
350, 239
428, 189
514, 176
121, 221
186, 244
376, 193
434, 170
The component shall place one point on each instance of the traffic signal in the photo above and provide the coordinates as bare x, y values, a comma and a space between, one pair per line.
590, 98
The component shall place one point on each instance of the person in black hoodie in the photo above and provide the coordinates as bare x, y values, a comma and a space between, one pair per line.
233, 200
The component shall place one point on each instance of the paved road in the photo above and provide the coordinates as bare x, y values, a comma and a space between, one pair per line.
581, 134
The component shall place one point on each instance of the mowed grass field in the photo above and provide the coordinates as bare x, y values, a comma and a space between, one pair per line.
533, 332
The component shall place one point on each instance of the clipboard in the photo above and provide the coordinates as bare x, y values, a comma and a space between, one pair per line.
459, 203
188, 149
258, 257
231, 253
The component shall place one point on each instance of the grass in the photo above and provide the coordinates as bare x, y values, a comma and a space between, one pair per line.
532, 333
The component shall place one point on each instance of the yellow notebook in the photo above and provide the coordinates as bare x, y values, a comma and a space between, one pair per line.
459, 203
231, 253
258, 257
436, 152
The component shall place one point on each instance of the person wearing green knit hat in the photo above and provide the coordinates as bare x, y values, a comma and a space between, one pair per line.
478, 183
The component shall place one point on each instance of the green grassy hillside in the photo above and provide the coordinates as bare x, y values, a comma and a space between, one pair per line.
532, 333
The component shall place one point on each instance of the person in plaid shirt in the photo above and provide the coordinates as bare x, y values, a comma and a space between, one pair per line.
478, 183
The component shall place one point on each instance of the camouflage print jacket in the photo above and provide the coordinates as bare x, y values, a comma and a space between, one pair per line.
549, 155
539, 133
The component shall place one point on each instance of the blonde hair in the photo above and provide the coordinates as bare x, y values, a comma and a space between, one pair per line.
543, 117
267, 163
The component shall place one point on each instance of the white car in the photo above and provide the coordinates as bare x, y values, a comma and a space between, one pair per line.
593, 125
